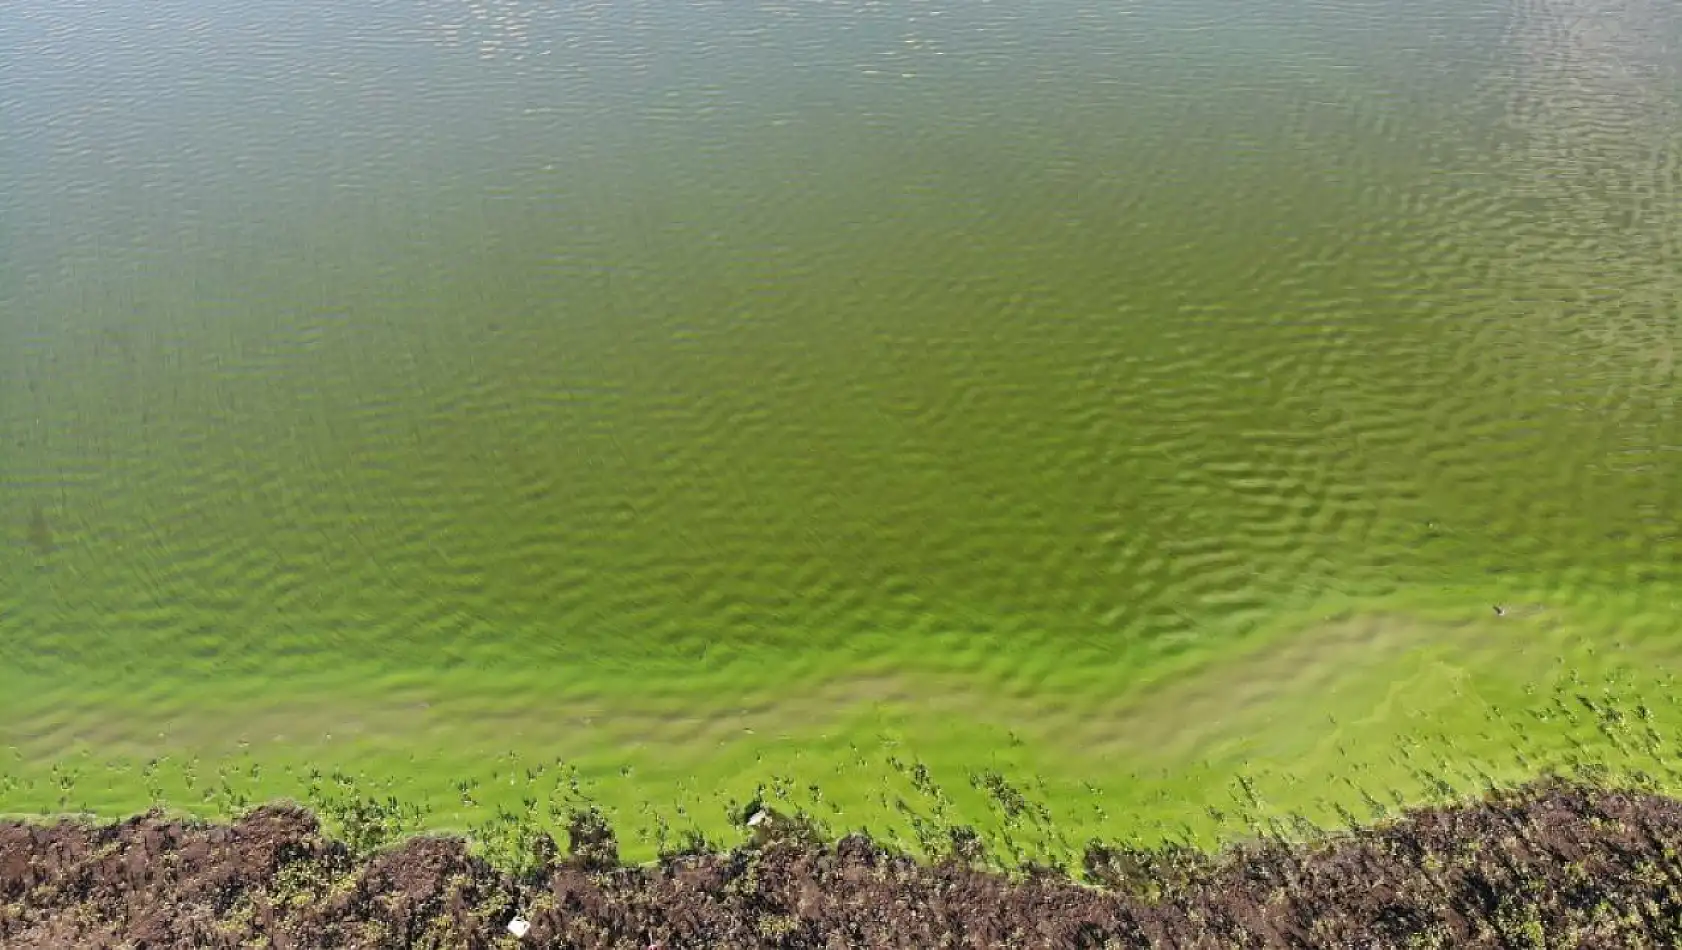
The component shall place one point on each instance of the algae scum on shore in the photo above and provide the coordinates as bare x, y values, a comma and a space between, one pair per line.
500, 407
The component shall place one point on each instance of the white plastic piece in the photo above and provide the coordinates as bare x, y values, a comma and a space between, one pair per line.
518, 927
758, 818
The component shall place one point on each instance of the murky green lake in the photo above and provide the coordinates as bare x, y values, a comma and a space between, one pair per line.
1133, 394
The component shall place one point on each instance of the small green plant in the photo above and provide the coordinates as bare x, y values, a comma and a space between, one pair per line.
366, 823
516, 843
1148, 873
591, 841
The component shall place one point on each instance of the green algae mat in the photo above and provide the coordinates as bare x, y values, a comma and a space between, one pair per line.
1189, 414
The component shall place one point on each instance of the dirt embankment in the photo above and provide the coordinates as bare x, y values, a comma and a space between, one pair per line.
1554, 864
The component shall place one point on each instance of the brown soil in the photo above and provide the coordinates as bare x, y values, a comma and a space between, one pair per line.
1554, 864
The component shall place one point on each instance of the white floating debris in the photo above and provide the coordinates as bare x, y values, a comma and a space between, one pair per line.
758, 818
518, 926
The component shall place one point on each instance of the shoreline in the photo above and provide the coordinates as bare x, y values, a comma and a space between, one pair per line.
1554, 860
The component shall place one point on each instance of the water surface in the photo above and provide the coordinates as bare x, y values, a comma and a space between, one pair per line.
675, 380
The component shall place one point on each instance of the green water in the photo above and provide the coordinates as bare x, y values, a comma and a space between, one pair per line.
1137, 394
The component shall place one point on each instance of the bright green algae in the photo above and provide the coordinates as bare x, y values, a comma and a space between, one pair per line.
1130, 405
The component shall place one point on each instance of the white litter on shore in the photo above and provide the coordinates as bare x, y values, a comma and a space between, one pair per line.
518, 926
758, 818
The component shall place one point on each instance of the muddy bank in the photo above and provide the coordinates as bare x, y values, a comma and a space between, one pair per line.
1553, 864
